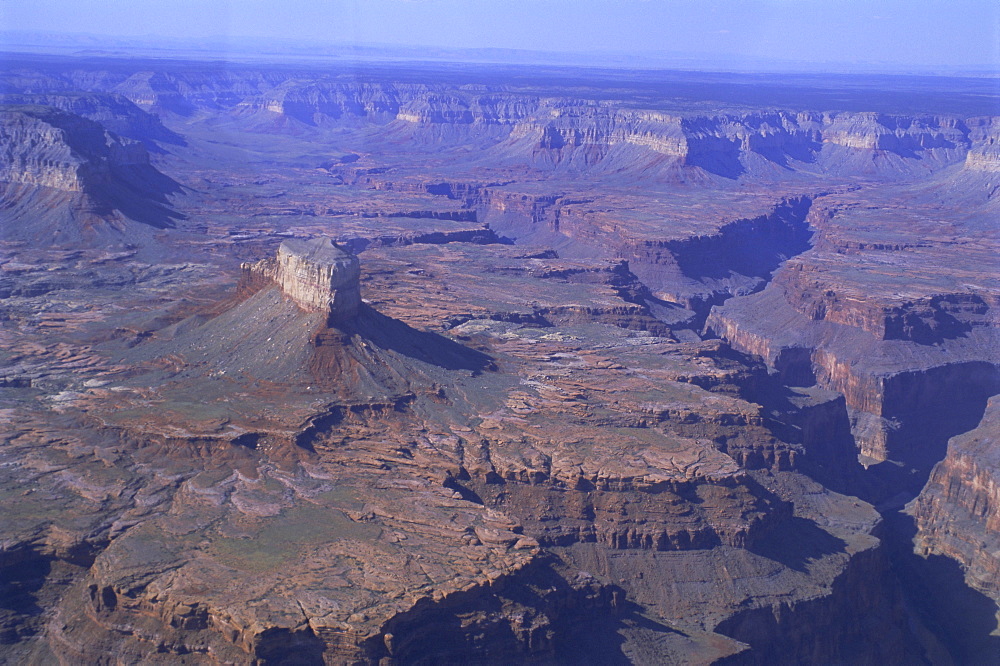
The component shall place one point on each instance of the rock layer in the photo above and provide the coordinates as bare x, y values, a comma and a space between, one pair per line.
318, 275
958, 512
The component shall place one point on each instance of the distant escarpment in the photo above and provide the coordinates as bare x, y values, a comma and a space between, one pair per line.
65, 176
637, 377
985, 152
114, 112
553, 132
325, 102
744, 145
558, 133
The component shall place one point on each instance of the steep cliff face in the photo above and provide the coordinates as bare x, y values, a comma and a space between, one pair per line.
735, 146
565, 133
896, 395
484, 110
47, 148
318, 275
897, 134
958, 512
905, 401
434, 510
694, 271
949, 552
925, 320
985, 152
517, 213
158, 92
870, 312
402, 106
112, 111
738, 259
97, 177
917, 411
789, 633
325, 103
628, 506
519, 449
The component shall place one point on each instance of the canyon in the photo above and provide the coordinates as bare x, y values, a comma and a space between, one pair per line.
391, 363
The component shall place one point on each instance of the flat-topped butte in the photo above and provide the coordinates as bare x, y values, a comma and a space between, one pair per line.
317, 274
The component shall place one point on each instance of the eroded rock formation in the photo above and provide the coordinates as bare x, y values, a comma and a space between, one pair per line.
958, 512
318, 275
64, 176
48, 148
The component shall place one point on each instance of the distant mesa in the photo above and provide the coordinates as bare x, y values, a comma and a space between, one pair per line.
114, 112
985, 152
66, 179
318, 275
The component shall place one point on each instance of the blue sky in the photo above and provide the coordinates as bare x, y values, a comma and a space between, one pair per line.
906, 33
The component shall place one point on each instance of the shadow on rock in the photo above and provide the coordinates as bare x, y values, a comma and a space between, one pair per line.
935, 589
795, 542
932, 407
290, 648
596, 638
536, 616
19, 585
394, 335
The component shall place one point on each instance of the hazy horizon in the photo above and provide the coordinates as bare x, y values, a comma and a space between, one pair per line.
920, 35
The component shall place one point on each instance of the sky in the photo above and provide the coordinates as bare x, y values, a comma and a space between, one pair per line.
892, 33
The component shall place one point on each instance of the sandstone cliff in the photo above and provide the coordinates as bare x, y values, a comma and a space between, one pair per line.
560, 132
582, 135
958, 512
985, 152
114, 112
317, 275
97, 178
49, 148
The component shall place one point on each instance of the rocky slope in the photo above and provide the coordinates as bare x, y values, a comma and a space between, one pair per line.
880, 322
560, 133
73, 179
51, 149
576, 133
462, 487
